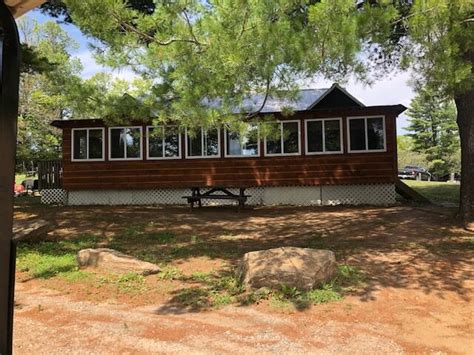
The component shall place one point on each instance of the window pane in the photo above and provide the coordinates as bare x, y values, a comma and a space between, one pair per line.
95, 144
132, 138
274, 139
314, 136
250, 141
357, 134
155, 142
246, 146
117, 143
332, 136
195, 145
290, 137
375, 134
233, 144
171, 142
80, 144
211, 142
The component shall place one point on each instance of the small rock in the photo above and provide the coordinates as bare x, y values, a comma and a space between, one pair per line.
114, 261
302, 268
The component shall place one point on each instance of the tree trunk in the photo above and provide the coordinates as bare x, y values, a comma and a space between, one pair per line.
465, 120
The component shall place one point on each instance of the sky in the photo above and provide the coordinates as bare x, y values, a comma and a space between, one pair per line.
392, 90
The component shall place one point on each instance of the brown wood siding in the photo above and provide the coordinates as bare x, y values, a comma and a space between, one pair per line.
346, 168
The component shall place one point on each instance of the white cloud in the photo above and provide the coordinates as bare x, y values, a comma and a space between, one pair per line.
91, 67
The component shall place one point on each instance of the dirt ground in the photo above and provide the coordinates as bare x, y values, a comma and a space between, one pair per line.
416, 298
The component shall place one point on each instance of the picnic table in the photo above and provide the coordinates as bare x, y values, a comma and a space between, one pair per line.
217, 193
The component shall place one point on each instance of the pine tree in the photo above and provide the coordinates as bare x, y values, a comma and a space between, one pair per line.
434, 131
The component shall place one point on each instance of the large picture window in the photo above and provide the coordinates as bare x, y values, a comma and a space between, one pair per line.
125, 143
203, 144
283, 138
366, 134
324, 136
87, 144
163, 142
242, 144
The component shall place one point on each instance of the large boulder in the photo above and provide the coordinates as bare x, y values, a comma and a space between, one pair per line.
302, 268
114, 261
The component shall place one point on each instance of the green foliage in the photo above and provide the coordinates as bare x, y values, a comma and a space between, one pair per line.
434, 131
50, 259
42, 265
286, 297
216, 50
170, 273
49, 74
407, 155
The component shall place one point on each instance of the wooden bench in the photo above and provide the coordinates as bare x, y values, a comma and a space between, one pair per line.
216, 193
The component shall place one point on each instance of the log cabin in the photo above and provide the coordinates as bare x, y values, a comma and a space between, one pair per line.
332, 150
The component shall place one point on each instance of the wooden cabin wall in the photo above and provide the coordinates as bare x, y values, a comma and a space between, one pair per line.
345, 168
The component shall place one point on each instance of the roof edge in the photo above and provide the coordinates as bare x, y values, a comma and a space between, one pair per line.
331, 89
397, 109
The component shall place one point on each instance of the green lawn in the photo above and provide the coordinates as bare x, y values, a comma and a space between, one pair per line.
437, 192
19, 178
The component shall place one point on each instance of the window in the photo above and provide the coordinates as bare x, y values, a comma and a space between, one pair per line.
203, 144
366, 134
283, 138
125, 143
238, 145
87, 144
163, 142
324, 136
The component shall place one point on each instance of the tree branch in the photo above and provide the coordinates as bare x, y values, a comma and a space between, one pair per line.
267, 93
131, 28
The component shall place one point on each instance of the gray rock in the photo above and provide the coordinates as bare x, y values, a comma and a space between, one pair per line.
114, 261
302, 268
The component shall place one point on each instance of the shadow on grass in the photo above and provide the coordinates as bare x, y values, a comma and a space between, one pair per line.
397, 247
223, 288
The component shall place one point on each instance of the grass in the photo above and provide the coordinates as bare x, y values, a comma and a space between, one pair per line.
170, 273
437, 192
49, 259
217, 290
130, 282
287, 298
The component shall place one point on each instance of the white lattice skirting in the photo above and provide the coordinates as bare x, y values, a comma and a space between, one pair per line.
374, 194
54, 197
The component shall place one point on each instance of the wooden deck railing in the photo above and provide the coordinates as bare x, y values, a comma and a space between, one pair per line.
50, 174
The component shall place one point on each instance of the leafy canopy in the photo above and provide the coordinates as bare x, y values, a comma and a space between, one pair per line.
192, 52
49, 76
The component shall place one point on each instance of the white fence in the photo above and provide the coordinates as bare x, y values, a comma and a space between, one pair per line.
326, 195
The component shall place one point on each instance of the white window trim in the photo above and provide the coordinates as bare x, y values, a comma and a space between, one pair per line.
163, 157
242, 156
87, 129
366, 150
266, 154
125, 146
324, 152
202, 146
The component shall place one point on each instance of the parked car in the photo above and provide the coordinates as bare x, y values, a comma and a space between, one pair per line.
412, 172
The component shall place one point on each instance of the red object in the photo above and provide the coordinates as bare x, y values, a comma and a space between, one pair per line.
18, 189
